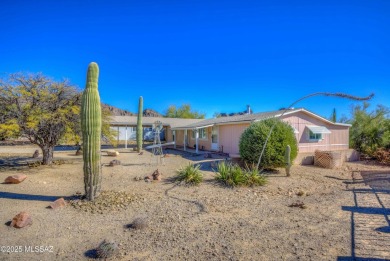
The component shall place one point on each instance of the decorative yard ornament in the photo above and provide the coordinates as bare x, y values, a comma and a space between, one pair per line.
329, 94
91, 126
157, 151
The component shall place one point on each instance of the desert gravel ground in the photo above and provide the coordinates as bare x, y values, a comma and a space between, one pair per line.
345, 214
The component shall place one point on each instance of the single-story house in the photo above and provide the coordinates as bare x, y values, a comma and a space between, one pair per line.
312, 131
126, 126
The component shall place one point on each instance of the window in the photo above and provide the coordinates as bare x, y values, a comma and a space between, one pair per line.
315, 136
315, 133
202, 134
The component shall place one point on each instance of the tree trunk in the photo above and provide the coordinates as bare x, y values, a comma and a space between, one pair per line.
47, 152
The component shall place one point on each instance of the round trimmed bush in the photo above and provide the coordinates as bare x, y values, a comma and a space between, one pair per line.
253, 139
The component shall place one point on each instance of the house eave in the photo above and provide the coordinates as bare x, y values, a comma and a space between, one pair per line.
315, 116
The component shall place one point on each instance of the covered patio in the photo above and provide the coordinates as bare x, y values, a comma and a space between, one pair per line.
201, 137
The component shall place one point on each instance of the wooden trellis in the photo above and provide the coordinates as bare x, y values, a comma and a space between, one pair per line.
327, 159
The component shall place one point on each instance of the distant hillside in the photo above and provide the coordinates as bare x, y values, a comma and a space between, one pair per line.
151, 113
119, 112
116, 111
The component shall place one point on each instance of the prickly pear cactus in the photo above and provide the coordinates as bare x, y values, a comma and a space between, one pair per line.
287, 160
91, 126
139, 125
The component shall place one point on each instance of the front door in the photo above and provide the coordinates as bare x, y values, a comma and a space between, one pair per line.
214, 138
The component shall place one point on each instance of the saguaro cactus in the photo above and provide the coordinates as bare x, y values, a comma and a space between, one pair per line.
139, 125
287, 160
91, 126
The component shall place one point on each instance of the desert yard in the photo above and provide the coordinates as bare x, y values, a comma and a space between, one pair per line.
339, 214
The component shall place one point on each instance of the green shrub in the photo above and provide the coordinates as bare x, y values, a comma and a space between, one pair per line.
233, 175
191, 175
253, 139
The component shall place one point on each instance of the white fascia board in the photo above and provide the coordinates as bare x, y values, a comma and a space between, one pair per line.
192, 128
316, 116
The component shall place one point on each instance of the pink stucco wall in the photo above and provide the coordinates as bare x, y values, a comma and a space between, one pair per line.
337, 140
229, 135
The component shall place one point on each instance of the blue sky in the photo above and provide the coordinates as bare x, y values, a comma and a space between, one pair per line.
218, 56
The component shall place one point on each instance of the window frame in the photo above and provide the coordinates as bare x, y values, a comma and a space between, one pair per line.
315, 136
200, 131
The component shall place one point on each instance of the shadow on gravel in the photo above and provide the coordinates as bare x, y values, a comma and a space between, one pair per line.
365, 210
16, 162
92, 253
348, 258
365, 218
20, 196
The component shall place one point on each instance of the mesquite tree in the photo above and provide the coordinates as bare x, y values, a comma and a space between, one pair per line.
91, 127
139, 125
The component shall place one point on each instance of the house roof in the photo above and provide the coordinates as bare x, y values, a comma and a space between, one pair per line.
148, 121
248, 118
232, 119
182, 124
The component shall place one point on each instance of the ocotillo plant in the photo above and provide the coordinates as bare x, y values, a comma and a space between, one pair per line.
139, 125
91, 126
287, 160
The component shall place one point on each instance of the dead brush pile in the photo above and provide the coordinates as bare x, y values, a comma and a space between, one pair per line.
382, 156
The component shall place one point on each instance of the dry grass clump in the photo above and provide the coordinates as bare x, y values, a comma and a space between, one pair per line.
233, 175
190, 174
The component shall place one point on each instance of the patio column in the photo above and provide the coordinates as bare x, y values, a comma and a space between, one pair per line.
174, 138
197, 140
118, 136
126, 138
185, 139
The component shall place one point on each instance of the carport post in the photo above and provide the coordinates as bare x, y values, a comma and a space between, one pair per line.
197, 139
118, 136
185, 139
174, 138
126, 138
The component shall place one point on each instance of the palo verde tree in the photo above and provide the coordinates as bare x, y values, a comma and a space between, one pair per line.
44, 111
38, 108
